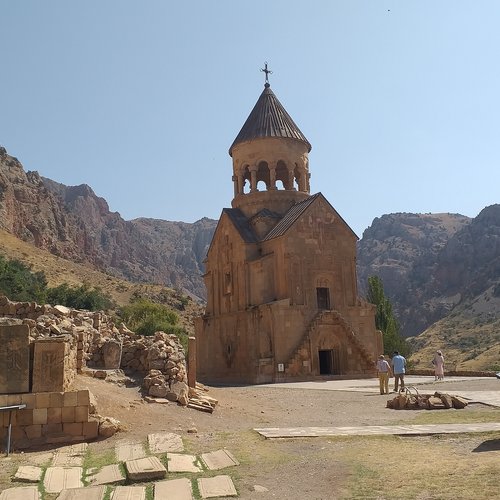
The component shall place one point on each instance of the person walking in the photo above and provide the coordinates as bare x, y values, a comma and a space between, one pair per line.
398, 368
383, 372
438, 363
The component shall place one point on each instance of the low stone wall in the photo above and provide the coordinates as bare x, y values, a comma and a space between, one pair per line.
452, 373
49, 417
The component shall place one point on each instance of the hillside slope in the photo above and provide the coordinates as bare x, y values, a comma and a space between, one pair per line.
73, 223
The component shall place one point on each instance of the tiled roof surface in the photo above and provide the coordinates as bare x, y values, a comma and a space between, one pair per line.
241, 224
290, 217
269, 118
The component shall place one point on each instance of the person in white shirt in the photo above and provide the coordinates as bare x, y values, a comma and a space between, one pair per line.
383, 372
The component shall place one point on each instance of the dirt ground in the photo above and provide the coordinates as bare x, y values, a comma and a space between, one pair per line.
386, 467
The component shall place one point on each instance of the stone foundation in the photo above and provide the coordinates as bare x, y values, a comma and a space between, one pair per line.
49, 417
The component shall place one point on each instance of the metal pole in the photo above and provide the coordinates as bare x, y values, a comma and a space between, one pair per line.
9, 432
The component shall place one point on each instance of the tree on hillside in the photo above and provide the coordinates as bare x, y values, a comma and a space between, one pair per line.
18, 282
385, 320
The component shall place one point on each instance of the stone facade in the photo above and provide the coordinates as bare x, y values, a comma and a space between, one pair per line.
282, 299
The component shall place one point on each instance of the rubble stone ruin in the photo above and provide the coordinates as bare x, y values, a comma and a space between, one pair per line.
43, 348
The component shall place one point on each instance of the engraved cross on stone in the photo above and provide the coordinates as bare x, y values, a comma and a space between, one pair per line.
266, 71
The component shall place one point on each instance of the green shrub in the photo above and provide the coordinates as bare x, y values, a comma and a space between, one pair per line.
79, 297
18, 282
146, 318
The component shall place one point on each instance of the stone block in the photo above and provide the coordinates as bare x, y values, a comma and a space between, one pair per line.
180, 489
3, 400
90, 429
14, 399
51, 429
145, 469
28, 474
219, 459
178, 462
56, 400
54, 415
109, 474
29, 400
70, 398
20, 493
83, 398
86, 493
24, 417
49, 365
218, 486
5, 416
14, 359
42, 400
68, 414
130, 493
40, 416
81, 414
60, 478
73, 429
33, 431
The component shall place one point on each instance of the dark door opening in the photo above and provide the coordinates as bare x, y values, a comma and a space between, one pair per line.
323, 297
329, 363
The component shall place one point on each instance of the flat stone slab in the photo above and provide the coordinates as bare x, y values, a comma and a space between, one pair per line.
144, 469
70, 456
129, 493
164, 442
377, 430
129, 451
89, 493
174, 489
29, 474
109, 474
20, 493
219, 459
60, 478
178, 462
218, 486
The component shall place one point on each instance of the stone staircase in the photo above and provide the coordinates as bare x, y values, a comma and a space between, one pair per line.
324, 317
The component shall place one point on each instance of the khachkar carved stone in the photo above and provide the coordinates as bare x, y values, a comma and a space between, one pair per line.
49, 365
112, 354
14, 359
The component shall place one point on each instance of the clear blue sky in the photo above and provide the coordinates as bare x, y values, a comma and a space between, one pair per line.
142, 99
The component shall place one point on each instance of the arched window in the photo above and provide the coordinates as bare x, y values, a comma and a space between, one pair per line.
282, 175
263, 174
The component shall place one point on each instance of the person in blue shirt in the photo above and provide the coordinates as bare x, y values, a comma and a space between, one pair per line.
398, 368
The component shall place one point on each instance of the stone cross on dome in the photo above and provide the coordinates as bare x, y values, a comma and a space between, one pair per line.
267, 72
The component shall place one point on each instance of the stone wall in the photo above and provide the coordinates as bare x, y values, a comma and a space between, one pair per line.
49, 417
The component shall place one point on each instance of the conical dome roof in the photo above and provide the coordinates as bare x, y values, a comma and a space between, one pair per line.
268, 118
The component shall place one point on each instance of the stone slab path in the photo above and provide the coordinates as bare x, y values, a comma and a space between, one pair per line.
125, 450
173, 489
59, 478
129, 493
109, 474
219, 459
218, 486
89, 493
182, 463
28, 474
377, 430
145, 469
21, 493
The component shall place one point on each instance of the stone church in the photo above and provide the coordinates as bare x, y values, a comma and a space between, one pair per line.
282, 300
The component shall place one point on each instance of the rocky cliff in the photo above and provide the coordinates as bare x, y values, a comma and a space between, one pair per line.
432, 264
74, 223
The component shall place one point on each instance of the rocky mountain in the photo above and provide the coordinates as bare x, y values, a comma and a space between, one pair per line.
73, 223
441, 271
